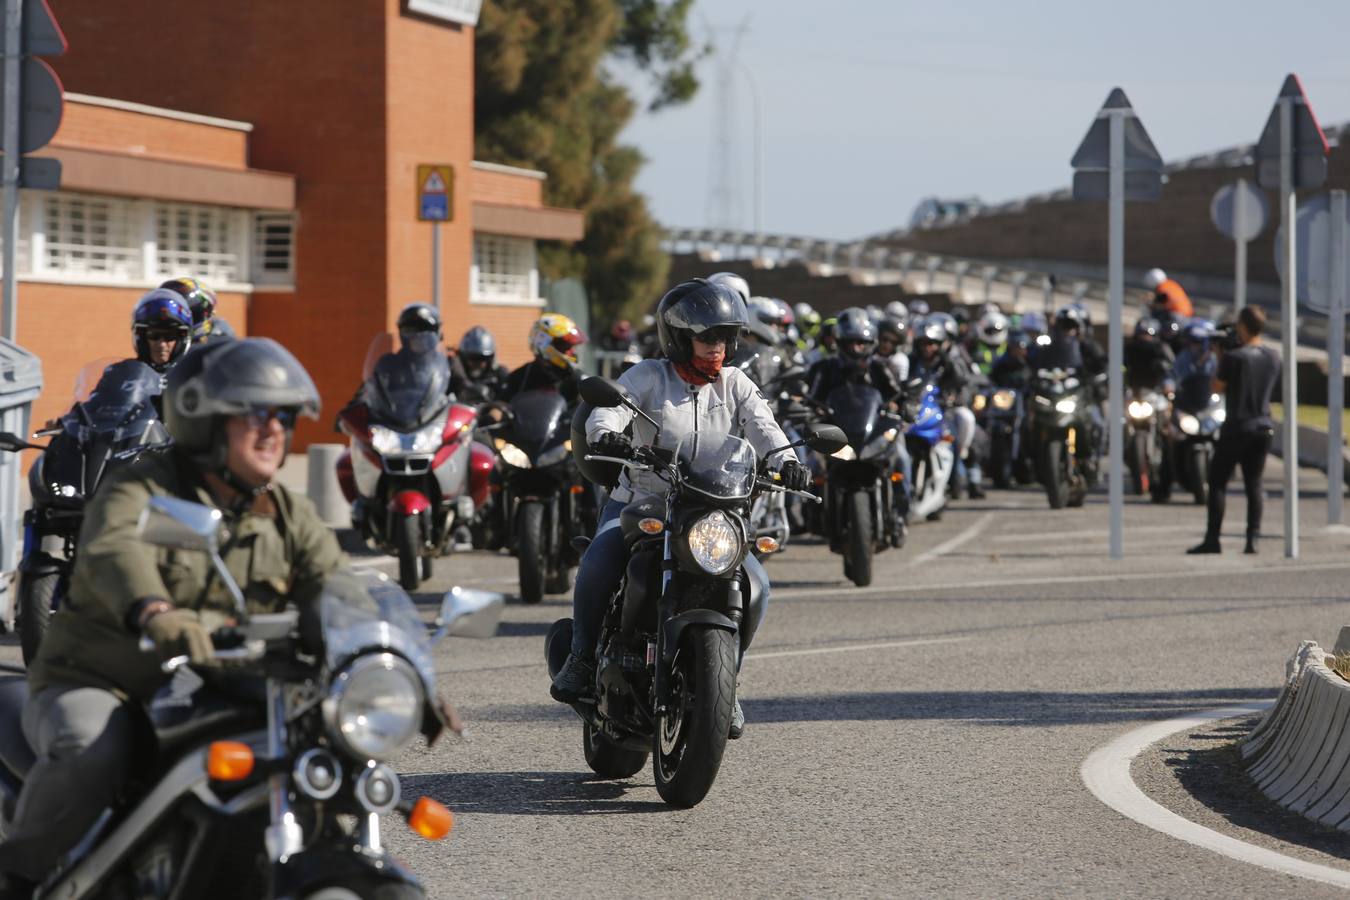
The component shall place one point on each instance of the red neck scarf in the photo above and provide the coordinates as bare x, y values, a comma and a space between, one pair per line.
699, 371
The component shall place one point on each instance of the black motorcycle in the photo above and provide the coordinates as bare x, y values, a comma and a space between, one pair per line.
265, 776
1062, 431
1197, 415
998, 412
108, 426
672, 633
1147, 412
860, 516
544, 503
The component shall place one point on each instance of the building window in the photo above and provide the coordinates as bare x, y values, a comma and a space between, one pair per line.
504, 270
89, 238
273, 248
199, 240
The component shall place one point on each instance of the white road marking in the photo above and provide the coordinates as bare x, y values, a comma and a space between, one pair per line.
1078, 535
951, 544
1107, 775
851, 648
812, 593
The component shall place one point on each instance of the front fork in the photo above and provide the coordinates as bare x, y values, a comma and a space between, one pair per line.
283, 837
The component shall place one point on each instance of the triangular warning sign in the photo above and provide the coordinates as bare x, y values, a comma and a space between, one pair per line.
1309, 144
434, 184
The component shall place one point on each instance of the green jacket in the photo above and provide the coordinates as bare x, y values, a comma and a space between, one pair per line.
274, 560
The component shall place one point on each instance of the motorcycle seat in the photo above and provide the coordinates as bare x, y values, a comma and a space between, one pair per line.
15, 753
649, 507
206, 714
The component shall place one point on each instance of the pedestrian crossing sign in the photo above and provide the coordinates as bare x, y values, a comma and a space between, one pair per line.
435, 193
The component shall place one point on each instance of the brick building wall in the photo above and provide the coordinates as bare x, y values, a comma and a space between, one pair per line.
87, 125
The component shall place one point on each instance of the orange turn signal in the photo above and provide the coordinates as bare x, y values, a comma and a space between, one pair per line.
897, 477
652, 526
430, 819
766, 545
577, 489
229, 761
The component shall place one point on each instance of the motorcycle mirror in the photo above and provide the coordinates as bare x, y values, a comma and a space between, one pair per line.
470, 613
179, 525
12, 443
601, 392
825, 438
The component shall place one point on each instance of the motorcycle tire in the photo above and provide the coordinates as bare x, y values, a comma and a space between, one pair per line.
1139, 464
607, 759
426, 568
408, 542
1200, 474
1052, 465
691, 736
368, 889
530, 551
1000, 463
36, 590
860, 539
559, 581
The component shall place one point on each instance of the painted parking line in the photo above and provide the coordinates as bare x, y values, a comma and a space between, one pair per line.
1107, 775
854, 648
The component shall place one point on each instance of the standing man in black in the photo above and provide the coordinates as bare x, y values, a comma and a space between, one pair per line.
1246, 377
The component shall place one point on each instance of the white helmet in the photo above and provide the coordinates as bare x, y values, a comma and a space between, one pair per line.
897, 310
992, 329
1153, 278
733, 281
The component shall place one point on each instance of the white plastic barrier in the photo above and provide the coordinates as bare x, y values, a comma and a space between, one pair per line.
1299, 754
323, 488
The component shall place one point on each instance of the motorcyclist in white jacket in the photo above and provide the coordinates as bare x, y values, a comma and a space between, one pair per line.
689, 391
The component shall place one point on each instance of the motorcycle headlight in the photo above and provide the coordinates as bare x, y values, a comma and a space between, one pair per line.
879, 444
714, 543
429, 439
1140, 409
978, 403
1004, 400
1219, 415
374, 706
1188, 423
512, 455
1067, 405
555, 455
385, 440
845, 452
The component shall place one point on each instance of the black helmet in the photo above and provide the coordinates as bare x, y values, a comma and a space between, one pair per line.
161, 310
232, 378
894, 326
695, 308
419, 319
1019, 338
929, 330
855, 326
1070, 316
479, 343
201, 301
1147, 325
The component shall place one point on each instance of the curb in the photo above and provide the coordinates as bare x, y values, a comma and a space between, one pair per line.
1299, 754
1312, 448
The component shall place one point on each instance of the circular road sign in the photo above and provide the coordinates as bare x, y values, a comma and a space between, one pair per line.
1313, 252
42, 104
1255, 210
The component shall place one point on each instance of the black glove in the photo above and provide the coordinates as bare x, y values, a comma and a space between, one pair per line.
613, 443
794, 476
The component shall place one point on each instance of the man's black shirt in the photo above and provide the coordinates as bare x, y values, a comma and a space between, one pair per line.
827, 374
1249, 372
540, 376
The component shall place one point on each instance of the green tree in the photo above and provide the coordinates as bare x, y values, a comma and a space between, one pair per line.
545, 99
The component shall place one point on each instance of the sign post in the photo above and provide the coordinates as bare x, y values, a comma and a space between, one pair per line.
1240, 212
1336, 360
1116, 162
436, 204
1291, 153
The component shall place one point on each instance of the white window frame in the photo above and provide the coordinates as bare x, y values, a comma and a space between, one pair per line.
480, 282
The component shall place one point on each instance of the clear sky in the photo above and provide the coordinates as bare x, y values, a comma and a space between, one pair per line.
870, 105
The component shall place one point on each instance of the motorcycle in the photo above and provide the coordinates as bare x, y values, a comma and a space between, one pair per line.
1059, 422
113, 421
266, 775
672, 632
543, 502
930, 448
860, 516
1147, 412
1197, 415
998, 411
413, 473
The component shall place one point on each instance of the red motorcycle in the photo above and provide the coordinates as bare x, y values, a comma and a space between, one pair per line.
413, 473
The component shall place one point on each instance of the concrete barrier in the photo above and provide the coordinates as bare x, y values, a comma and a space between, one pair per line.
322, 485
1299, 754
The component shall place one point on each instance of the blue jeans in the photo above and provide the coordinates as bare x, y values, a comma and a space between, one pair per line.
602, 568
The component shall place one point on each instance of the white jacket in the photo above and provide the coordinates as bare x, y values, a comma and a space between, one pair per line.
730, 405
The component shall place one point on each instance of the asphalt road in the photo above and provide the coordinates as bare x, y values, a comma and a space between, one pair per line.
919, 737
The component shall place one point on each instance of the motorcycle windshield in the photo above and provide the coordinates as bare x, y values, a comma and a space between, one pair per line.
121, 405
362, 611
720, 466
1060, 354
536, 418
856, 409
408, 389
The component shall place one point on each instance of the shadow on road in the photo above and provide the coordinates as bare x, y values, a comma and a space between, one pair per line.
1013, 708
532, 793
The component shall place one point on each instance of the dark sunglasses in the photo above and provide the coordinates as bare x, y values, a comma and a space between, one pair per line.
286, 415
163, 336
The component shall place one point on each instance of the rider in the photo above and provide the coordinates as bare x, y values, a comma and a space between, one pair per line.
893, 345
230, 407
1196, 358
419, 327
1169, 298
1148, 361
955, 386
474, 372
161, 329
990, 334
201, 300
554, 339
1013, 368
699, 323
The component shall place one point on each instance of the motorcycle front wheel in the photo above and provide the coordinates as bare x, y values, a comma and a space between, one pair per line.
1200, 455
408, 543
531, 564
691, 736
859, 545
1052, 467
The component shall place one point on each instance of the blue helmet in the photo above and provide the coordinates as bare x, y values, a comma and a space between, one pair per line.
161, 311
1199, 331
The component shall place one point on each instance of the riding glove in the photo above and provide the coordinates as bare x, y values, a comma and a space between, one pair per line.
794, 476
180, 631
613, 443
